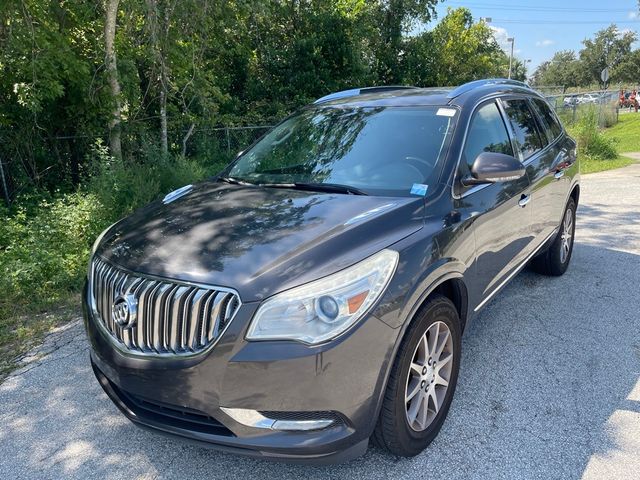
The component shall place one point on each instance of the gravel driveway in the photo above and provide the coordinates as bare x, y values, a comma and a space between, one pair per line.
553, 392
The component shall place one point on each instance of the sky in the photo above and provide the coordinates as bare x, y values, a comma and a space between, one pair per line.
544, 27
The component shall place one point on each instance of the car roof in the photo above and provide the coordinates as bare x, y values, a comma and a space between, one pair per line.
471, 92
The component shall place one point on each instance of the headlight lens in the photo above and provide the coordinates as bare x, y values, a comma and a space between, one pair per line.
323, 309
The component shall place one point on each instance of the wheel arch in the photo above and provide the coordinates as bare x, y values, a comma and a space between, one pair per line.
575, 193
448, 283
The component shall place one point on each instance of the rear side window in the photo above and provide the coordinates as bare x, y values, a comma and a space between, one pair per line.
487, 133
524, 127
551, 122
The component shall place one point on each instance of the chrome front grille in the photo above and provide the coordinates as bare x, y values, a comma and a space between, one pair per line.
172, 318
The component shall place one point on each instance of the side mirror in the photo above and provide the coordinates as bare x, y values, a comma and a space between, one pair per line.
490, 167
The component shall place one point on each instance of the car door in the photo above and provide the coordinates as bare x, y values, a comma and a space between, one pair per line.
561, 152
538, 157
501, 220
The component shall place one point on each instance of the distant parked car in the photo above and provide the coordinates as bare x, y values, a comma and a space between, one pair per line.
570, 101
588, 98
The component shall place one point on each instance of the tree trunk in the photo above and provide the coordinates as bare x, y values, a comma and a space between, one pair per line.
186, 138
159, 61
5, 188
164, 81
112, 75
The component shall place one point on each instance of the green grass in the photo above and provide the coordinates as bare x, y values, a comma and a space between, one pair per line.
626, 132
593, 165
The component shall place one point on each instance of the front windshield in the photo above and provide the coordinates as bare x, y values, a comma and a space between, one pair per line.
379, 150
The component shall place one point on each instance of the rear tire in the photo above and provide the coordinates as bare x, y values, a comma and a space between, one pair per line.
556, 259
417, 400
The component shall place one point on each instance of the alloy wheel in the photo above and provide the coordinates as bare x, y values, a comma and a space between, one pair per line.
429, 376
566, 235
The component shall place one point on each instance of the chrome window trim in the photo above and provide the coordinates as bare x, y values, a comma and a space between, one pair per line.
122, 349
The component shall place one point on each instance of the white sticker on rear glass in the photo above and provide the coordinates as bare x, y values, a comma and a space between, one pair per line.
446, 112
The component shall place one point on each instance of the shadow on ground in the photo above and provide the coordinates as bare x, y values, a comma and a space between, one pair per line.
550, 370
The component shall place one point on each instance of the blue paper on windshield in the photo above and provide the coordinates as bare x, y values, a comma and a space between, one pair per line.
419, 189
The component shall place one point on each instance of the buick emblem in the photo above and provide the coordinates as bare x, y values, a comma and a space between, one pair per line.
125, 310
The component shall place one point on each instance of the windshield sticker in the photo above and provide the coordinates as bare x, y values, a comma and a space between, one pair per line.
419, 189
446, 112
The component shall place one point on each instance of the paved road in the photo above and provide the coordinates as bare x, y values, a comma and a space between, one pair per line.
549, 386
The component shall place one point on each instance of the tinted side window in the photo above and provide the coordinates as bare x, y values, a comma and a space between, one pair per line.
524, 126
487, 133
549, 118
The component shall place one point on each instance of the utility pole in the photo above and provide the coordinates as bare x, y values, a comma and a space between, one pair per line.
512, 40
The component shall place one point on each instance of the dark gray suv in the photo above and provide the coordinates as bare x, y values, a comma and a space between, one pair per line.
313, 295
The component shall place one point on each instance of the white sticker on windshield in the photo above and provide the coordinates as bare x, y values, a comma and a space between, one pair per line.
446, 112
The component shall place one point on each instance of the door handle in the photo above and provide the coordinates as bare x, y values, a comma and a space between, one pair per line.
559, 174
524, 199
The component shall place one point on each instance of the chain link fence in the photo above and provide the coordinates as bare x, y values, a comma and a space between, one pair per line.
218, 143
570, 107
68, 156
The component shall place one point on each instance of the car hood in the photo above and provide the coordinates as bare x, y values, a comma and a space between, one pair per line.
257, 240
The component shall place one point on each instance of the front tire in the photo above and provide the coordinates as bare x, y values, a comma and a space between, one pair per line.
555, 260
422, 380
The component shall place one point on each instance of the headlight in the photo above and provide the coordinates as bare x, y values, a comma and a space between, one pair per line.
323, 309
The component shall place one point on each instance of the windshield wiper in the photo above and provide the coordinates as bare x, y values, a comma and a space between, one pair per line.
318, 187
234, 181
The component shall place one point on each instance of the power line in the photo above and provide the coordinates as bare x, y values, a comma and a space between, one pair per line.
564, 22
528, 8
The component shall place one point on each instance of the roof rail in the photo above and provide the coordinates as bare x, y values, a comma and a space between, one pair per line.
467, 87
360, 91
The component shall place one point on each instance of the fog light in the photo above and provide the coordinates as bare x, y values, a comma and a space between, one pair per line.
255, 419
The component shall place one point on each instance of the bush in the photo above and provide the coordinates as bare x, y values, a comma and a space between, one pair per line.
591, 141
121, 187
44, 244
45, 239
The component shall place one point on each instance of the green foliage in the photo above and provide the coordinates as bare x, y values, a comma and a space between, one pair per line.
456, 51
45, 239
563, 69
610, 47
591, 140
44, 244
122, 187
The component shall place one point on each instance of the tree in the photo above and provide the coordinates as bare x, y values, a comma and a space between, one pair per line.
519, 70
628, 70
563, 69
608, 49
111, 15
456, 51
390, 20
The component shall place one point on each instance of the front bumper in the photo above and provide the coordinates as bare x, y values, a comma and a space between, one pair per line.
345, 378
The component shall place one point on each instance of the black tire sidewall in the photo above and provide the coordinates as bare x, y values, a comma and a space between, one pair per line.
443, 310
